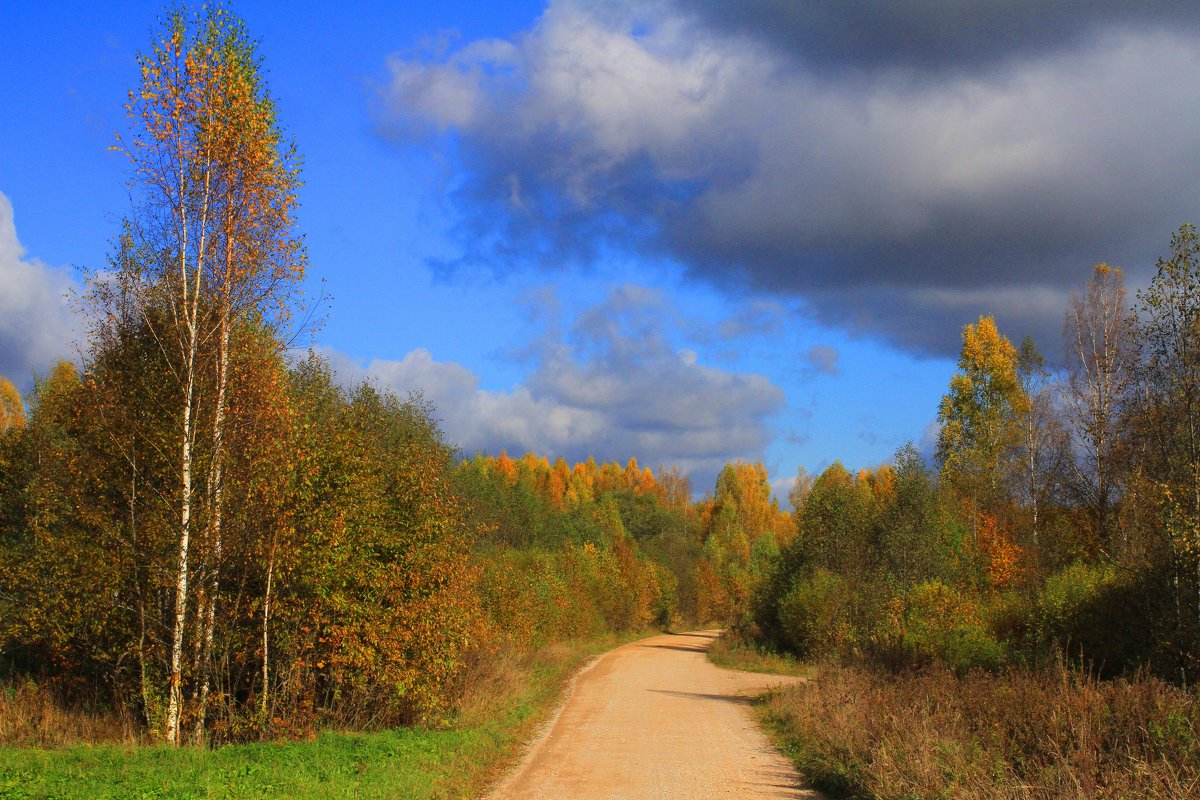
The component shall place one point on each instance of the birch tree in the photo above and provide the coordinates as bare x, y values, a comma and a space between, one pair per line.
258, 264
215, 193
12, 412
1041, 437
1098, 335
1168, 410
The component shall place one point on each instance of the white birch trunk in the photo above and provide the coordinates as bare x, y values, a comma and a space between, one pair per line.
266, 659
190, 294
216, 479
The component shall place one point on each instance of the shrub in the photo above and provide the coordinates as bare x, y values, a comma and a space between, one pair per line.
1065, 596
935, 623
1113, 622
814, 616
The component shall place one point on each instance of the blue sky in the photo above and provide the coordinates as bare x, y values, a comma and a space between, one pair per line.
683, 232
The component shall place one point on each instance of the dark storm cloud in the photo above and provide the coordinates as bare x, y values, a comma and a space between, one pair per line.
931, 35
896, 207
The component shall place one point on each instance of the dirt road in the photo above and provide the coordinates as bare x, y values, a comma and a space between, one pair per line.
655, 719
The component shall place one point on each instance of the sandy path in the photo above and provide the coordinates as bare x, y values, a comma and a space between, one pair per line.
655, 719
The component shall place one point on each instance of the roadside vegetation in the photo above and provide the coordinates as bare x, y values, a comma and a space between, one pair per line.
1020, 734
732, 650
455, 760
1021, 618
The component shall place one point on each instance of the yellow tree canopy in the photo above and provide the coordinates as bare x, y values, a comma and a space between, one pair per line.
980, 412
12, 412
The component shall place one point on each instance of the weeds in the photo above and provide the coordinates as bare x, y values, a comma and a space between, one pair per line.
732, 650
32, 715
1053, 734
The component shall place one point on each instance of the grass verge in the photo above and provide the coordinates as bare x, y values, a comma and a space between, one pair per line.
734, 651
1049, 735
501, 711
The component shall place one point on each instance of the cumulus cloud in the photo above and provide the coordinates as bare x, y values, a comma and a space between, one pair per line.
897, 196
611, 387
927, 444
36, 324
781, 488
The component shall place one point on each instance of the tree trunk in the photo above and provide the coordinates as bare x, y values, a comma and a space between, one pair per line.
215, 487
190, 308
266, 661
174, 706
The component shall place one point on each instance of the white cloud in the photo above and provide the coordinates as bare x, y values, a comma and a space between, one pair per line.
781, 487
37, 327
613, 388
927, 445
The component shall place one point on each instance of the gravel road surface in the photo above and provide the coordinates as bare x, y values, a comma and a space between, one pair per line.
655, 719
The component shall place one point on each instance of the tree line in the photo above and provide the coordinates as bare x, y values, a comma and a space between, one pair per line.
367, 573
1061, 515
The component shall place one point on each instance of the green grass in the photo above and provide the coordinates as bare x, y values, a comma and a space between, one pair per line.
406, 763
733, 651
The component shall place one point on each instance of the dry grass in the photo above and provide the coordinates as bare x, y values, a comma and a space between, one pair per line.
490, 682
33, 716
732, 650
1053, 735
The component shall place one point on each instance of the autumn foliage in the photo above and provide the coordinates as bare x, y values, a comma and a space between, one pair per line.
569, 549
218, 540
368, 571
1059, 519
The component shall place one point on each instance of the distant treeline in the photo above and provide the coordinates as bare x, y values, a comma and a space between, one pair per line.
1061, 519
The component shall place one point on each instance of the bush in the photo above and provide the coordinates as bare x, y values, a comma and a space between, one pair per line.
1065, 597
814, 616
935, 623
1113, 622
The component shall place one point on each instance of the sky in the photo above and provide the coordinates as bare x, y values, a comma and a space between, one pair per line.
686, 232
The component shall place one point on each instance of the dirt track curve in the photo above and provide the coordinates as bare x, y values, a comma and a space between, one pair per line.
655, 719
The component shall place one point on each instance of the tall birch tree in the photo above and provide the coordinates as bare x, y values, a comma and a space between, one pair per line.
1101, 357
1041, 440
211, 241
980, 415
1168, 413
